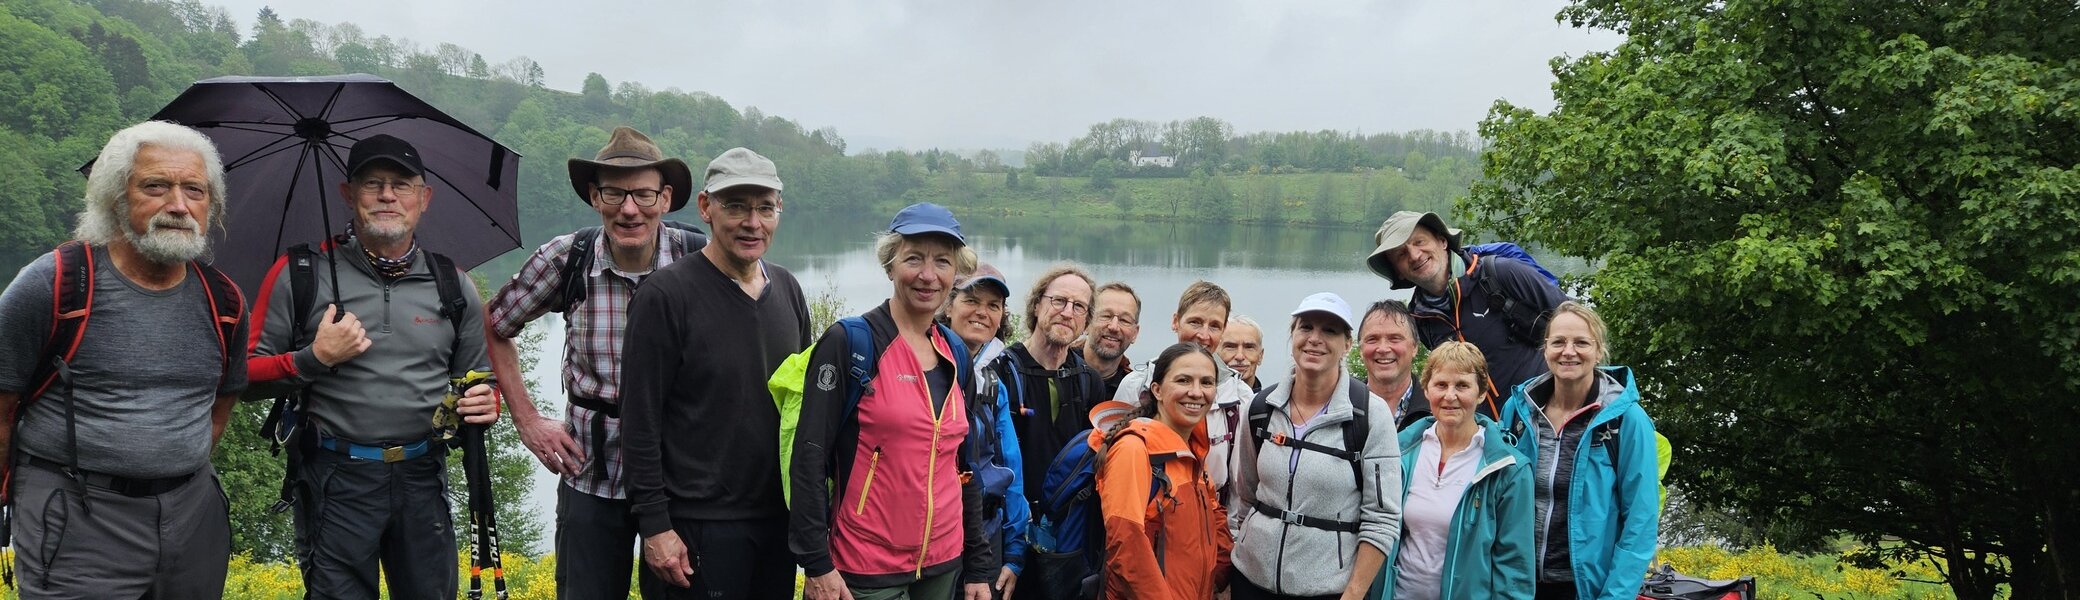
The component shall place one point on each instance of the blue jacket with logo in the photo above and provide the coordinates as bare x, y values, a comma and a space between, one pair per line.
1489, 554
1614, 495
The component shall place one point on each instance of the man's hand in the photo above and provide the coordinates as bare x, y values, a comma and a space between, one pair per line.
1006, 580
478, 406
339, 342
666, 557
828, 586
549, 443
976, 591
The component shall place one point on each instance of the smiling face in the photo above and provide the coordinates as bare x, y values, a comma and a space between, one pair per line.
630, 226
1201, 323
1242, 348
1115, 324
743, 219
1320, 340
1184, 391
1572, 351
1387, 346
975, 314
167, 202
387, 202
1423, 260
1454, 395
1060, 322
923, 272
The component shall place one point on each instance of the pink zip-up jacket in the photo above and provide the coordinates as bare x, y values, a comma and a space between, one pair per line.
902, 501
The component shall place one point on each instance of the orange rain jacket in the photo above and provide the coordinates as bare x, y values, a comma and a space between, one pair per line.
1186, 520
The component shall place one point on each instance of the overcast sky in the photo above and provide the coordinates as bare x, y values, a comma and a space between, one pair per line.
1002, 74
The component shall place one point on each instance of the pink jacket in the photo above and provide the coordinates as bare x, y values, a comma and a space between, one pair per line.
902, 508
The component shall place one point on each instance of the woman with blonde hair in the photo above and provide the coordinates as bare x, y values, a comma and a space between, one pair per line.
1596, 491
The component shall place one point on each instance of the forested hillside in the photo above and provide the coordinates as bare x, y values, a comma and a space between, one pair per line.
76, 71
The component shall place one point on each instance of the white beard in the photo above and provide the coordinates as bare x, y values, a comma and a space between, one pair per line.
169, 246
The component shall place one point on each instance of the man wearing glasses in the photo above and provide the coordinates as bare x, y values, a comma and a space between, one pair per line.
631, 185
1052, 389
700, 436
372, 361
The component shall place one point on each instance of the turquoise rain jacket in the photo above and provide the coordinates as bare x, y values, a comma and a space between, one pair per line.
1489, 554
1615, 495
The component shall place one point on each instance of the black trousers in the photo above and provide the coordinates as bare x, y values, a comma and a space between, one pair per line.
732, 560
357, 518
595, 545
1556, 590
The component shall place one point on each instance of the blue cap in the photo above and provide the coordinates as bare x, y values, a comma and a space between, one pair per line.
925, 217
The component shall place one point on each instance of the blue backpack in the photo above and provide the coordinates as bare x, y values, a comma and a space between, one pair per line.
1526, 320
1069, 541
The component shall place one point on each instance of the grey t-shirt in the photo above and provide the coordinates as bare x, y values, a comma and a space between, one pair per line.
146, 375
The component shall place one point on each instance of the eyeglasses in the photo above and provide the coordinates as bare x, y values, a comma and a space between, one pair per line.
739, 210
613, 196
375, 187
1124, 319
1073, 307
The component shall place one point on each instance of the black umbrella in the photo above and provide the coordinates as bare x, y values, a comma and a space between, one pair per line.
284, 141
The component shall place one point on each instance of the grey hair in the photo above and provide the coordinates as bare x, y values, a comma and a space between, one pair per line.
104, 216
1234, 320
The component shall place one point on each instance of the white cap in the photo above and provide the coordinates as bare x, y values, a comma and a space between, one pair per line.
1327, 302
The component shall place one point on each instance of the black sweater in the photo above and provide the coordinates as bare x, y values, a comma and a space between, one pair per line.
700, 435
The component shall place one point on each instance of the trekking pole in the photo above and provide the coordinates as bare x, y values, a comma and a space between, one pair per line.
483, 520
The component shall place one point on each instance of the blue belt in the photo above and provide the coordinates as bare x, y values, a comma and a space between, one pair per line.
389, 454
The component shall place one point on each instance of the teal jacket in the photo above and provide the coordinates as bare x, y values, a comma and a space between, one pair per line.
1615, 494
1489, 554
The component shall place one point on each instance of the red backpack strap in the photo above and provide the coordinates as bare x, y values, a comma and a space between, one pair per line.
226, 308
72, 302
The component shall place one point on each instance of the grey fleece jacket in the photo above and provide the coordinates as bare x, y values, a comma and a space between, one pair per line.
389, 392
1296, 560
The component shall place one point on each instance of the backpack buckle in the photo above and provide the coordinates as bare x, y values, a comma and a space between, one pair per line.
1278, 438
1291, 518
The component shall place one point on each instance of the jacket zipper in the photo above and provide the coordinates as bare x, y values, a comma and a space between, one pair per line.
931, 463
872, 462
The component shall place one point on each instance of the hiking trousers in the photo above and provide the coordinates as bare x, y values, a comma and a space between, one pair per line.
595, 545
173, 545
732, 560
356, 517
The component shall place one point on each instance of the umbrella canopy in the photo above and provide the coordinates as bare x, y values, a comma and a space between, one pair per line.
284, 141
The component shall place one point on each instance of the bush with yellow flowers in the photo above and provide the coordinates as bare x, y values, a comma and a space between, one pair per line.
1785, 577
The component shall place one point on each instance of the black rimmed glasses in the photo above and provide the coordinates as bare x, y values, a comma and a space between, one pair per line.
614, 196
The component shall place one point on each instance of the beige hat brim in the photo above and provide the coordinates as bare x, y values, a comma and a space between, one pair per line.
676, 174
1394, 233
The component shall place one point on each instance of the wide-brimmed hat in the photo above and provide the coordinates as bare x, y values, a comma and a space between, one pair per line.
1394, 233
630, 149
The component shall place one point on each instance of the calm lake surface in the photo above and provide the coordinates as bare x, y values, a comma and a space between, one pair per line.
1266, 269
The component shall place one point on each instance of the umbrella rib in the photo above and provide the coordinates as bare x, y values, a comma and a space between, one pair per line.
251, 156
387, 119
278, 101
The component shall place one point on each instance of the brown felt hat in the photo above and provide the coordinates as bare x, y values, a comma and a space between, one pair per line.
630, 149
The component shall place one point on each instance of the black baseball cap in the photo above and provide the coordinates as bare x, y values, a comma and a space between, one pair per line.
384, 147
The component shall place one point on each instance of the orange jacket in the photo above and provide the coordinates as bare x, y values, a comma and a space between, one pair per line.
1187, 518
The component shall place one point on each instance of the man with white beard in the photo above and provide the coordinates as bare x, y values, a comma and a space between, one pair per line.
109, 449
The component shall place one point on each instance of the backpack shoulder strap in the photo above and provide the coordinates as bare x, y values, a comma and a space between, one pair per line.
859, 362
303, 287
962, 362
1358, 430
72, 302
689, 237
226, 308
1521, 318
448, 281
1260, 415
576, 263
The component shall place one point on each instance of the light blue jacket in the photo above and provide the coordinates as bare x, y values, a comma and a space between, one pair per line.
1014, 514
1489, 553
1615, 494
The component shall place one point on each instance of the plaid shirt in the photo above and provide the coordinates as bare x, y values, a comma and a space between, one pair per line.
591, 341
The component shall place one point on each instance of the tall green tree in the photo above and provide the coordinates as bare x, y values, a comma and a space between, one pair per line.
1841, 241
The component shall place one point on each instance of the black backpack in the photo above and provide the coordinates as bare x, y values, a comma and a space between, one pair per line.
571, 291
1355, 432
